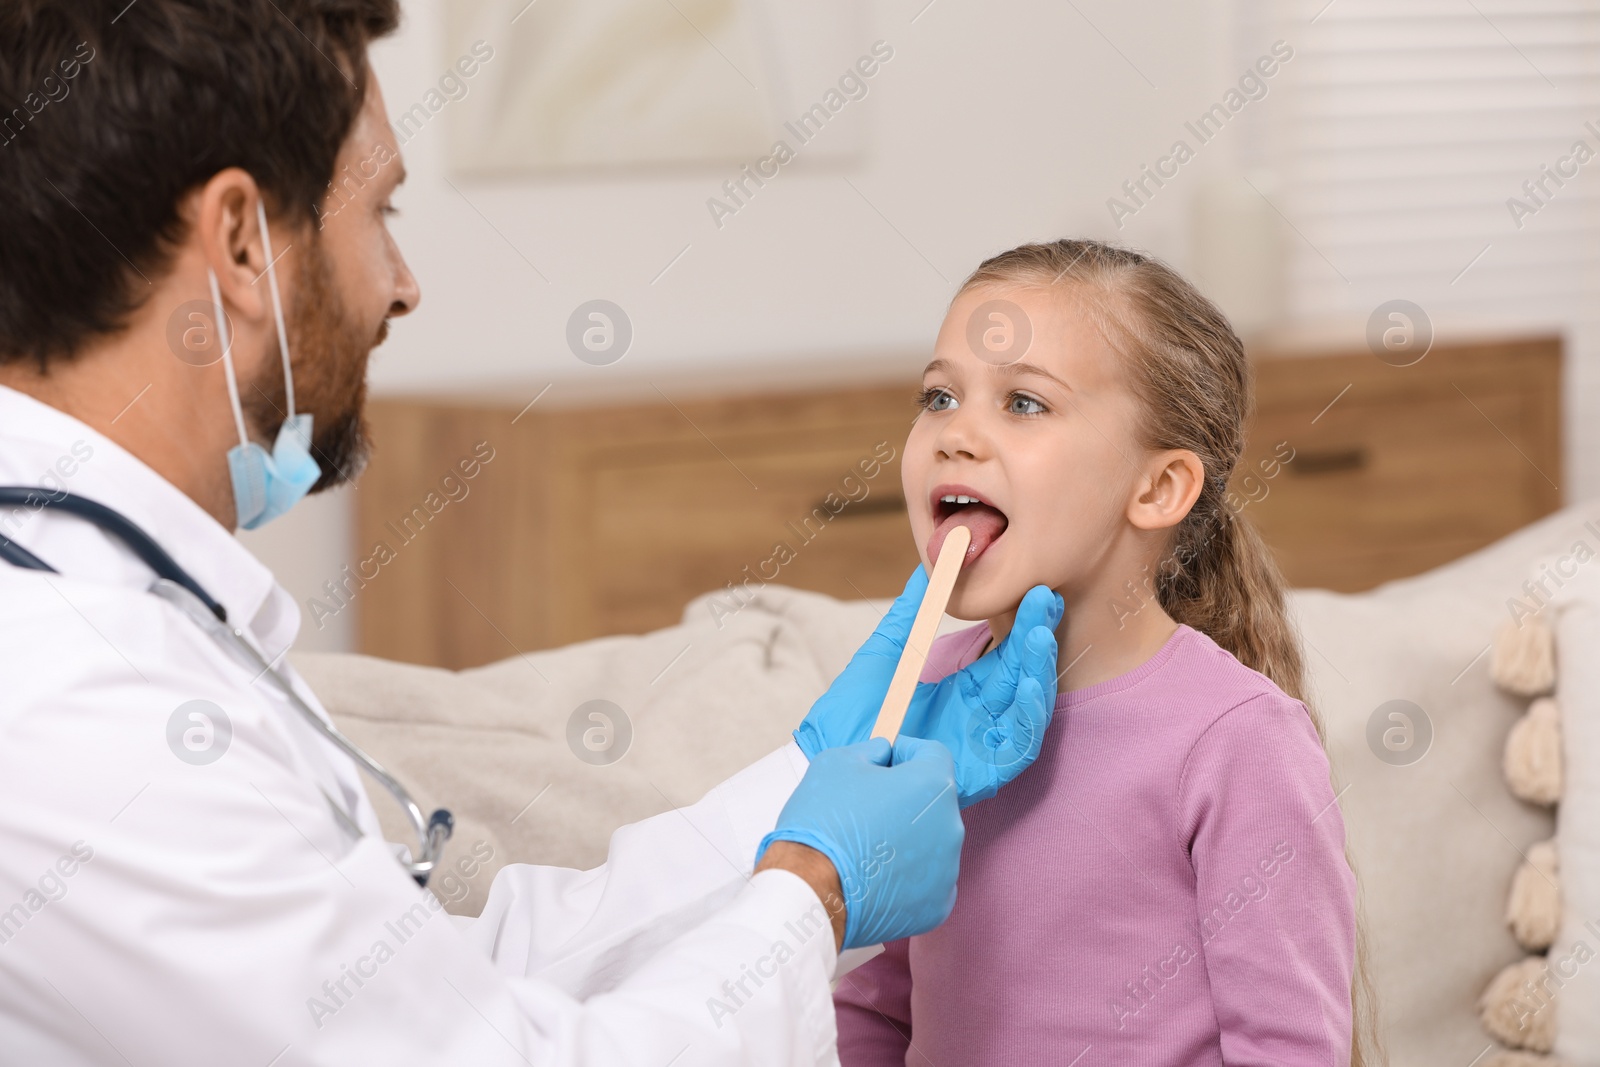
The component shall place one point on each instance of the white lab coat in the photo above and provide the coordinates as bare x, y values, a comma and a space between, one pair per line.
155, 911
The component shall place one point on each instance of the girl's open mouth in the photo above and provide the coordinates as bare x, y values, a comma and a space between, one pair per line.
957, 505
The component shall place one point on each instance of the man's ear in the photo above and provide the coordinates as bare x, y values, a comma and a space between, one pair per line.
230, 241
1172, 483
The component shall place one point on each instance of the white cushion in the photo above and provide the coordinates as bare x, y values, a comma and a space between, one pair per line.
1436, 842
702, 701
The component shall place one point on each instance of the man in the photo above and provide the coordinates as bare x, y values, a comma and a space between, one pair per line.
189, 872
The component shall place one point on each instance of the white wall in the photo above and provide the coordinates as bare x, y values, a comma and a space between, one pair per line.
991, 125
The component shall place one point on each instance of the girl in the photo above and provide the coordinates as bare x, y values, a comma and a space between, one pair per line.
1167, 884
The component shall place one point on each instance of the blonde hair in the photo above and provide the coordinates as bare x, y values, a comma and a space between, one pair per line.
1189, 370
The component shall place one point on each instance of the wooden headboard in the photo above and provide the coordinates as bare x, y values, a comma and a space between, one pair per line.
487, 528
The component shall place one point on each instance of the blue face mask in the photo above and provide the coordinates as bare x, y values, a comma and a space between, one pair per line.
265, 486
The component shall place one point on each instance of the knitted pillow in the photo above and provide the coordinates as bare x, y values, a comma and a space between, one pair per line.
1547, 1006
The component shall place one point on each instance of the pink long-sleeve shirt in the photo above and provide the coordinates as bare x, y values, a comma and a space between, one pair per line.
1166, 885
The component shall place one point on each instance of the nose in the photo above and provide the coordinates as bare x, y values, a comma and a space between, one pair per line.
960, 436
407, 292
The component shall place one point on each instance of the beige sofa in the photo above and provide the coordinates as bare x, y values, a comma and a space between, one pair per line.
515, 750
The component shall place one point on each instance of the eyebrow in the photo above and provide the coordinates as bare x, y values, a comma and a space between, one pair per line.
944, 365
1038, 372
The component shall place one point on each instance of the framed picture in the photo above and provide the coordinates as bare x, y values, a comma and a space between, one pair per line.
565, 85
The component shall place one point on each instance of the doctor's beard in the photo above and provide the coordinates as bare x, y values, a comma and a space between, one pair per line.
330, 349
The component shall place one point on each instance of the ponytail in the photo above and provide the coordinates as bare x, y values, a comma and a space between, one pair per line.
1225, 583
1189, 369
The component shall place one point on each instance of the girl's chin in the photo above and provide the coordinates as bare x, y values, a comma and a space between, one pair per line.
982, 601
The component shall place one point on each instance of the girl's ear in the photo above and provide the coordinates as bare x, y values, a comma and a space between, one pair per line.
1172, 483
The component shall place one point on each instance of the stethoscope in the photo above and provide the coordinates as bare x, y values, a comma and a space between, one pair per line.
178, 588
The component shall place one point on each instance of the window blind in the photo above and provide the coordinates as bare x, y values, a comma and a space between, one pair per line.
1445, 152
1428, 150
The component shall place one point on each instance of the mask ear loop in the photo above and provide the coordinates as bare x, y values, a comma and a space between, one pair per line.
277, 306
227, 357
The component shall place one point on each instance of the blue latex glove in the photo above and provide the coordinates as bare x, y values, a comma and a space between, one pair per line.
892, 832
992, 715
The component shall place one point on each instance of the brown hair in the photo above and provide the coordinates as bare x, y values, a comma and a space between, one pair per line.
111, 112
1190, 370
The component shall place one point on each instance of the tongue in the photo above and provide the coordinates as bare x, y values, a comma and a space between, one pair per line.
985, 522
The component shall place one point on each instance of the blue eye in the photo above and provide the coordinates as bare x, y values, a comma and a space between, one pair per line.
937, 400
1023, 404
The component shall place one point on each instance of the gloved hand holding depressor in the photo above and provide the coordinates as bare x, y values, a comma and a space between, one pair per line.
994, 713
892, 832
988, 715
845, 714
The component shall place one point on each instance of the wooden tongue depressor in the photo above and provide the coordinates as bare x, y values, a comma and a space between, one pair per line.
940, 584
